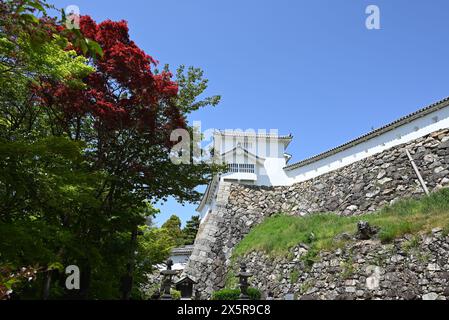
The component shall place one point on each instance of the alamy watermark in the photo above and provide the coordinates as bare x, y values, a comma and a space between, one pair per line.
72, 282
197, 146
372, 22
72, 13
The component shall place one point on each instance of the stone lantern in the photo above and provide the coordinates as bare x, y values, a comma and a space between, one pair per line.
167, 281
243, 276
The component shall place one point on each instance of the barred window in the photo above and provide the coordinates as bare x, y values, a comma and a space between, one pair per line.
241, 167
246, 168
233, 167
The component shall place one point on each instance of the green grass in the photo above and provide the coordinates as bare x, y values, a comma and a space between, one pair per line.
294, 276
278, 234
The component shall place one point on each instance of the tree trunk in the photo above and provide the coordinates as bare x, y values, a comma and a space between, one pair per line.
85, 282
47, 284
127, 279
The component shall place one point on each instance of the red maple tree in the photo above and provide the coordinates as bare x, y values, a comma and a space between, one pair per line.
123, 92
125, 115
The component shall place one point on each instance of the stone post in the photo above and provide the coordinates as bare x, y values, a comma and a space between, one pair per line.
167, 281
243, 276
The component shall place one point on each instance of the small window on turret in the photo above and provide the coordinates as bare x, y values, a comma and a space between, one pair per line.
246, 168
241, 167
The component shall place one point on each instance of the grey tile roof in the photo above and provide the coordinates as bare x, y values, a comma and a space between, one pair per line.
182, 250
397, 123
250, 134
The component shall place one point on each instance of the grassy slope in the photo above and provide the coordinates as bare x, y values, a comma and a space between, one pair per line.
279, 233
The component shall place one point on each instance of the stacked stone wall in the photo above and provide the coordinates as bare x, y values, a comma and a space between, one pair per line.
358, 188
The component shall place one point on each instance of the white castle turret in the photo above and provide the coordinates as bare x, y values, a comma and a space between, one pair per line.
252, 158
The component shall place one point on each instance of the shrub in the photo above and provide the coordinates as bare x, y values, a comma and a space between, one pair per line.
226, 294
234, 294
254, 294
175, 294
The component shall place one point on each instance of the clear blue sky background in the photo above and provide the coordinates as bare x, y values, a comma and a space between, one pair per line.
308, 67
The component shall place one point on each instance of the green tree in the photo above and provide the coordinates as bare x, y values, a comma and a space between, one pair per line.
126, 118
73, 190
191, 229
173, 227
44, 181
154, 247
32, 51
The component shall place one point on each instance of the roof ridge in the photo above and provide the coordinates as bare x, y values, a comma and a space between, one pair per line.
236, 132
374, 133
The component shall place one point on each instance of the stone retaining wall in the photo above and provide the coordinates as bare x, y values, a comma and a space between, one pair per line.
410, 268
358, 188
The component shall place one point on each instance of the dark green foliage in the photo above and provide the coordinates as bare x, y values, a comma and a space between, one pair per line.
173, 227
234, 294
64, 200
226, 294
254, 294
191, 229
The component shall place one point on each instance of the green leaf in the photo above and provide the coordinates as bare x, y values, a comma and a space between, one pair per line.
8, 284
20, 9
83, 45
55, 266
36, 5
27, 17
94, 47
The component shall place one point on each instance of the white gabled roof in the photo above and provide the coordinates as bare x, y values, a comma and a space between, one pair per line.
246, 152
287, 157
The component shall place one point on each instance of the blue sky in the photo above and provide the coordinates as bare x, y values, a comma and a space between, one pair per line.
308, 67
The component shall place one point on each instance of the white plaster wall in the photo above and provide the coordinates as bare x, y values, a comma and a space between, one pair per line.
203, 212
269, 172
272, 173
275, 173
238, 157
413, 130
180, 258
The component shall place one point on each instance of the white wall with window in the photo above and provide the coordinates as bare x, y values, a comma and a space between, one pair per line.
241, 167
261, 159
253, 159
